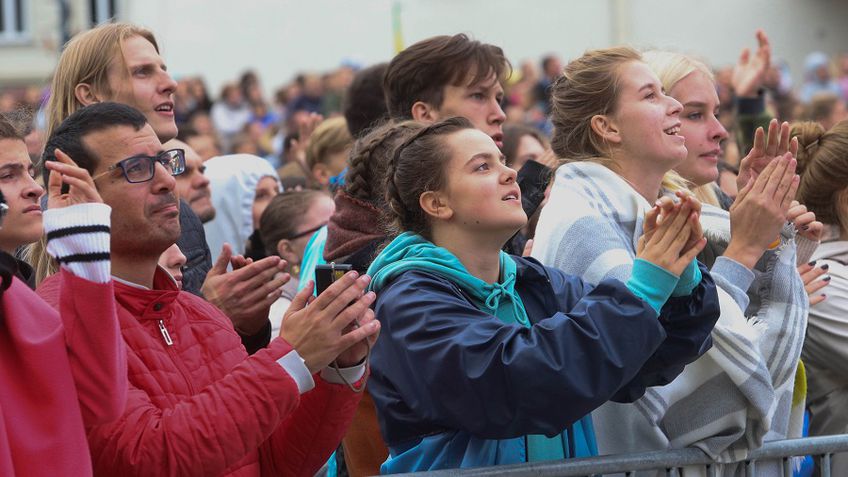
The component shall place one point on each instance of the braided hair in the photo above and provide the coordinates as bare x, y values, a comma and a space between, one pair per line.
369, 159
417, 166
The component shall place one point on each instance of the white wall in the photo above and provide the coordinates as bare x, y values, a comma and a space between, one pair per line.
221, 38
717, 29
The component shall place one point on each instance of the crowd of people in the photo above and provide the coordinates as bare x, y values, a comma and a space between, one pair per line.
630, 251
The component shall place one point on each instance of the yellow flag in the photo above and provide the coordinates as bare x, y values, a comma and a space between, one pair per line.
397, 28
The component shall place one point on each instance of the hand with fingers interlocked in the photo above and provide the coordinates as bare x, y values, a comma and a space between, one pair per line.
672, 235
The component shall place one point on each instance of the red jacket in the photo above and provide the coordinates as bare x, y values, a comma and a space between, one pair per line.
198, 405
57, 375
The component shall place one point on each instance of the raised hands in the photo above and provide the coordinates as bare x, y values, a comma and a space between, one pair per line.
246, 293
81, 188
338, 325
761, 209
750, 71
672, 235
805, 222
765, 152
812, 284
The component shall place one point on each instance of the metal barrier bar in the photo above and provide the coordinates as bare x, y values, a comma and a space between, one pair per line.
825, 465
672, 461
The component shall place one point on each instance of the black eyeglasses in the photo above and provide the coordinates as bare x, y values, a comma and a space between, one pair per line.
307, 232
142, 168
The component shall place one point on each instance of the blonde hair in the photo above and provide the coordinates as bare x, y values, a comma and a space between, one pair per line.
589, 87
330, 137
823, 166
42, 263
86, 59
671, 68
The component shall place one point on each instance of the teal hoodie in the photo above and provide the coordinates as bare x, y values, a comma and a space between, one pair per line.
457, 448
411, 251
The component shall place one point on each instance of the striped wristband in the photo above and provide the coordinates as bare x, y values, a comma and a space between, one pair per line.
78, 238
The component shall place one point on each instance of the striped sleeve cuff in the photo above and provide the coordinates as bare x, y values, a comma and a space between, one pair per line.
78, 238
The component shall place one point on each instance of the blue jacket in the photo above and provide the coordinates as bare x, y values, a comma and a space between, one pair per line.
456, 387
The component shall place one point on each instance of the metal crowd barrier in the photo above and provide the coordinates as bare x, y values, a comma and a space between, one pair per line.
671, 462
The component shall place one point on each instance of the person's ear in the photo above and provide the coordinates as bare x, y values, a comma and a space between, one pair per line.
321, 174
606, 128
424, 112
86, 95
435, 205
286, 251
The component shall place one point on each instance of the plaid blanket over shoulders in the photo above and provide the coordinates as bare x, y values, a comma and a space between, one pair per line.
739, 393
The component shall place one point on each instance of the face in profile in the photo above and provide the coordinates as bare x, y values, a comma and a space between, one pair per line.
700, 126
480, 103
646, 122
291, 249
266, 189
23, 222
142, 81
192, 185
147, 218
173, 261
529, 149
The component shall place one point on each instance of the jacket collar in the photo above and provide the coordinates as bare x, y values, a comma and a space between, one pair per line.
529, 269
142, 302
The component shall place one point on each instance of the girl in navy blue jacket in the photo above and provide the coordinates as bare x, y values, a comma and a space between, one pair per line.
487, 358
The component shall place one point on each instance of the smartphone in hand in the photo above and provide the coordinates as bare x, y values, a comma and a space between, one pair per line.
326, 274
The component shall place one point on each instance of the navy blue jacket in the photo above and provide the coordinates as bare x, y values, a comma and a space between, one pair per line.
441, 364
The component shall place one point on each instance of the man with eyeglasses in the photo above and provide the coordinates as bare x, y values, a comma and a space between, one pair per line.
121, 62
193, 185
197, 403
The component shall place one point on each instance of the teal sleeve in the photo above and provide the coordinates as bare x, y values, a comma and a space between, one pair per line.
651, 283
689, 279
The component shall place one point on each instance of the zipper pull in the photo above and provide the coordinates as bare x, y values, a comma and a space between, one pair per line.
165, 333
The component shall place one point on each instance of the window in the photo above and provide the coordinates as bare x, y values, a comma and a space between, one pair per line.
14, 26
101, 11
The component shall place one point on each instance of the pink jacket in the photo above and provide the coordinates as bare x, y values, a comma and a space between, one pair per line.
59, 372
198, 405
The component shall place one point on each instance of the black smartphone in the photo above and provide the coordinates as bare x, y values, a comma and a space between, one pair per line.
4, 209
326, 274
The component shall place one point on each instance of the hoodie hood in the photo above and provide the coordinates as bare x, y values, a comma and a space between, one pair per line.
412, 252
233, 179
